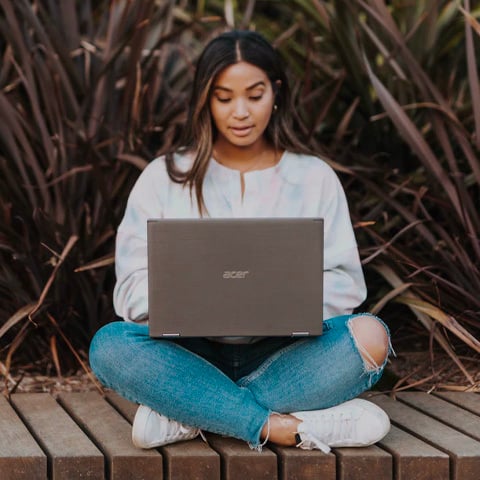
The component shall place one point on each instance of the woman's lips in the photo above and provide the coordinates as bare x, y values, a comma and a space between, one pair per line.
241, 131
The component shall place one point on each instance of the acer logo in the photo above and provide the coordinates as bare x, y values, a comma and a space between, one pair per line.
235, 274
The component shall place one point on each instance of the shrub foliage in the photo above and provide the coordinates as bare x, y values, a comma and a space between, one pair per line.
92, 91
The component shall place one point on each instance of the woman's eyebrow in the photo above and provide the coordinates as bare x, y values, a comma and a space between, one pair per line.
261, 83
251, 87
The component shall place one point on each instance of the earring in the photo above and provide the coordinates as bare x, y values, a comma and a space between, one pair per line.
275, 107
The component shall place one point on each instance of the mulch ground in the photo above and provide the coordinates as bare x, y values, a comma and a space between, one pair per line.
422, 371
36, 383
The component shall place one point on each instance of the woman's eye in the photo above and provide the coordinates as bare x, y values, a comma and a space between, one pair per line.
223, 100
256, 98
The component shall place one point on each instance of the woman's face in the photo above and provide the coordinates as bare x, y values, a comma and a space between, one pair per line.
241, 103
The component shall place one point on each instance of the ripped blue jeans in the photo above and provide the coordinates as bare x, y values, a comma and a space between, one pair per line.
232, 389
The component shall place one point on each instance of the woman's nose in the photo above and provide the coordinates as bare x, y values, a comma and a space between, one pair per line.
240, 109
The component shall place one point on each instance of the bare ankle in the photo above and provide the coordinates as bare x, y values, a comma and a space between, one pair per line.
280, 429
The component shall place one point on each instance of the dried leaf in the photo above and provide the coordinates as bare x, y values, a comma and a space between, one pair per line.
389, 296
76, 355
71, 242
18, 316
446, 320
54, 352
99, 263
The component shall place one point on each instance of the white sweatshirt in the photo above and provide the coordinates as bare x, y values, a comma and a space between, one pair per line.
298, 186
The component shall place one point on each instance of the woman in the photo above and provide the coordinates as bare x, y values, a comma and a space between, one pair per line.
240, 158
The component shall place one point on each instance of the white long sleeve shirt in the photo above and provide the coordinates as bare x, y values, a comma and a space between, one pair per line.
298, 186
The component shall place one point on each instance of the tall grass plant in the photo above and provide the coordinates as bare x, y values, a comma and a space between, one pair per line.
90, 92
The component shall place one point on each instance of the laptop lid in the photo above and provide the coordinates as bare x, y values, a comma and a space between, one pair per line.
235, 277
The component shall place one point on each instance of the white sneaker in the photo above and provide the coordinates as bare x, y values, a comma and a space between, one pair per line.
356, 423
150, 429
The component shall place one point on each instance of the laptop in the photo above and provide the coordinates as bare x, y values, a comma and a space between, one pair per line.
235, 277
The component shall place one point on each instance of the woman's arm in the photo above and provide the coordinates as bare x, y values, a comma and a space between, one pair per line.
344, 283
130, 295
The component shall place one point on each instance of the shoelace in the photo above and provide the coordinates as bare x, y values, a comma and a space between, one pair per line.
317, 442
328, 429
176, 428
180, 428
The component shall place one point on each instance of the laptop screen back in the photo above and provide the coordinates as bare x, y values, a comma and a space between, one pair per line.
235, 277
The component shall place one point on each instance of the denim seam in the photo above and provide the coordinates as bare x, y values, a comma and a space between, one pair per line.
245, 381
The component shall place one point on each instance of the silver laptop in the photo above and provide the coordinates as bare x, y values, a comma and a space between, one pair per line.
235, 277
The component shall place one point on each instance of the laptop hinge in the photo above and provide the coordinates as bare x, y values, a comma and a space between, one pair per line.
300, 334
170, 334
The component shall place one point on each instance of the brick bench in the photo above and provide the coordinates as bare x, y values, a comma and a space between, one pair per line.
87, 436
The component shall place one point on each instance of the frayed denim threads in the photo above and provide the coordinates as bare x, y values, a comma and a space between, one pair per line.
370, 364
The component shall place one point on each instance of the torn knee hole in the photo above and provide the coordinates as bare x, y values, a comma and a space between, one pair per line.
371, 340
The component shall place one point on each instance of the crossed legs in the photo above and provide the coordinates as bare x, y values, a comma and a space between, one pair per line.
309, 374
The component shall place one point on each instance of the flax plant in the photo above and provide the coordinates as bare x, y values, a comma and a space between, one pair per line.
398, 91
89, 93
389, 92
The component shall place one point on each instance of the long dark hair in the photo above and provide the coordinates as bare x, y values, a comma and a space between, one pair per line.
200, 131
